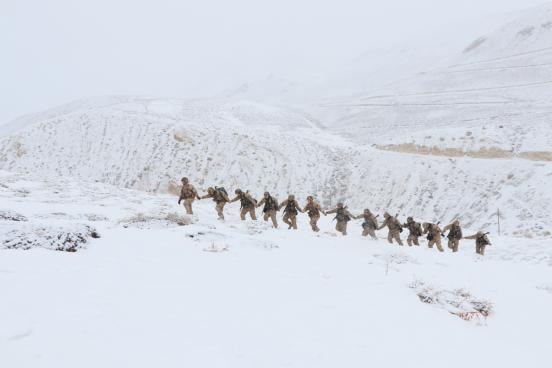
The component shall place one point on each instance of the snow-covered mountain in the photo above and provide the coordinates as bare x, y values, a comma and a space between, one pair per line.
465, 140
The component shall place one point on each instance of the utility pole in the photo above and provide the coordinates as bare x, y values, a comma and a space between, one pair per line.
498, 219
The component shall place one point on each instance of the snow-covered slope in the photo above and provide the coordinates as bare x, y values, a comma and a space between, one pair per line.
148, 291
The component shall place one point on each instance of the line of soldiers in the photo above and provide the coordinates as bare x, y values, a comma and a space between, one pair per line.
291, 209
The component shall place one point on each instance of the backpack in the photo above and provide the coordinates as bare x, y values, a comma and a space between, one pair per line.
291, 207
482, 240
221, 190
245, 201
270, 204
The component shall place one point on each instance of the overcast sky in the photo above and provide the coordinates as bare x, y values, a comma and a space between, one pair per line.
55, 51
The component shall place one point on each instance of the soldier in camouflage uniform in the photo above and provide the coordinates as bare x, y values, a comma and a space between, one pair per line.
291, 209
270, 208
454, 235
394, 227
188, 194
343, 216
313, 209
370, 223
433, 232
247, 204
219, 197
414, 231
481, 241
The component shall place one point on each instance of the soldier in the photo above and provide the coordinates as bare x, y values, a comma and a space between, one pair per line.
481, 241
414, 231
188, 194
394, 227
433, 232
313, 209
291, 209
343, 216
370, 223
270, 208
454, 235
220, 197
247, 204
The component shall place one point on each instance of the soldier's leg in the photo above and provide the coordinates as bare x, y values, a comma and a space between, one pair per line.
390, 237
313, 223
272, 215
409, 240
415, 241
188, 206
365, 231
344, 227
220, 210
242, 213
455, 245
430, 243
293, 219
397, 237
372, 233
286, 220
252, 213
266, 215
439, 246
482, 250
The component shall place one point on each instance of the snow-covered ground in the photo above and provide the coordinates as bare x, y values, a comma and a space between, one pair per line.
158, 288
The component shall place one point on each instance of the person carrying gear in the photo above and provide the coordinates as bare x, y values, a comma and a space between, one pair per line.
481, 241
247, 204
291, 209
394, 227
188, 194
433, 232
343, 216
370, 223
220, 197
414, 231
313, 209
270, 208
454, 235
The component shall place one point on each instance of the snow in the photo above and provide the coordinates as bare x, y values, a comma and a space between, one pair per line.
99, 266
243, 294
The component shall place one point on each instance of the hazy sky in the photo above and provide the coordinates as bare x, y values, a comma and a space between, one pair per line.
55, 51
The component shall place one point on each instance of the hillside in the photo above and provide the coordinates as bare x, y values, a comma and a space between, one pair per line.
155, 287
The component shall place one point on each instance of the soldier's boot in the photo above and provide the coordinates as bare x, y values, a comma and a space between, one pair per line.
409, 240
188, 206
415, 241
314, 223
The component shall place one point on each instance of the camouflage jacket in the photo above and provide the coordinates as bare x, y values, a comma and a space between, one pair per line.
270, 204
188, 191
341, 214
290, 206
313, 209
414, 228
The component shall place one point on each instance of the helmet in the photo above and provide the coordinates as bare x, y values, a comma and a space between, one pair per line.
238, 191
184, 179
386, 214
340, 204
266, 194
310, 198
210, 190
291, 197
409, 219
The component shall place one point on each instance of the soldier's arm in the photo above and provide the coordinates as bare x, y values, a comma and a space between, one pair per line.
382, 225
474, 236
282, 205
235, 199
331, 211
194, 191
206, 196
447, 228
261, 202
299, 208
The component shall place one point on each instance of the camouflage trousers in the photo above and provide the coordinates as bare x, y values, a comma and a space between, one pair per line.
394, 235
291, 220
341, 226
480, 249
220, 210
271, 214
369, 231
436, 241
453, 244
314, 222
188, 205
248, 210
412, 239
